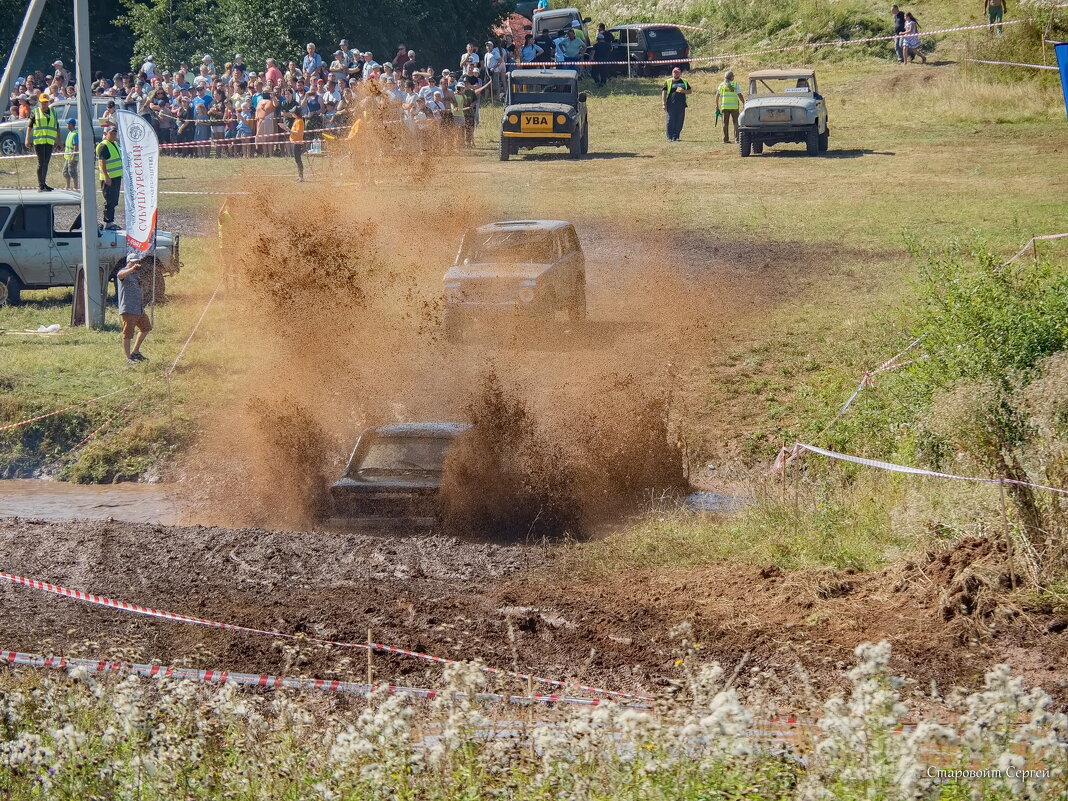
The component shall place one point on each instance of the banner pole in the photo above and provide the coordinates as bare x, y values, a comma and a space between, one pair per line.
95, 282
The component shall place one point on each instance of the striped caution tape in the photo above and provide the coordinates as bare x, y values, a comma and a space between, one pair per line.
124, 606
1030, 243
917, 471
1011, 64
72, 406
275, 682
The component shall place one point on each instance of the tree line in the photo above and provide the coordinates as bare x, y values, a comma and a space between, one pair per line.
124, 32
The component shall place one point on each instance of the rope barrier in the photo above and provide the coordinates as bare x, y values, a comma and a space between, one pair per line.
100, 600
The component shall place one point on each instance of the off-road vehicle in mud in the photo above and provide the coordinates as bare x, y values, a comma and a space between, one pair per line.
544, 108
782, 106
41, 244
395, 473
529, 269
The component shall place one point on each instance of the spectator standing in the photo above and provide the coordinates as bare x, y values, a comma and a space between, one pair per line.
409, 67
61, 74
530, 52
313, 63
400, 58
265, 123
42, 134
369, 65
674, 97
149, 67
70, 155
339, 68
467, 100
899, 29
110, 173
571, 46
184, 131
272, 74
490, 60
296, 139
470, 56
132, 306
729, 101
602, 51
912, 39
995, 13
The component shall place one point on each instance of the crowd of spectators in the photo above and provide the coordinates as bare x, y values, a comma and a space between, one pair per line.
205, 108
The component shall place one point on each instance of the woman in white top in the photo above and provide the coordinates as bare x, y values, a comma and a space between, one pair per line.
911, 36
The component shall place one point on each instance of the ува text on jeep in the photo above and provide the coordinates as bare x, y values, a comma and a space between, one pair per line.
782, 106
544, 108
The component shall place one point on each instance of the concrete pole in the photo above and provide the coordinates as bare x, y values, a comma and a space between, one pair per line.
94, 283
18, 52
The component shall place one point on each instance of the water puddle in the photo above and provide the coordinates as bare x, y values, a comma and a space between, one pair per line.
57, 500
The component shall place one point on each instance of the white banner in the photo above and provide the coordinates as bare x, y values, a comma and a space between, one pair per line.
139, 147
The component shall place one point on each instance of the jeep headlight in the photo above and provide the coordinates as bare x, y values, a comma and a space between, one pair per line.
513, 119
561, 119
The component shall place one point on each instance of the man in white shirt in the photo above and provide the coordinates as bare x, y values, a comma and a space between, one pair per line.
470, 57
369, 64
149, 67
491, 59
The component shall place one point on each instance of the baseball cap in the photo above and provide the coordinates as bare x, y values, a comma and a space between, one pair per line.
20, 82
43, 99
343, 42
207, 57
71, 121
238, 57
57, 63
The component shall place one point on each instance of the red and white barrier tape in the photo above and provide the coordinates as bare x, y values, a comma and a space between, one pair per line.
181, 352
1031, 242
1011, 64
267, 680
101, 600
249, 140
916, 471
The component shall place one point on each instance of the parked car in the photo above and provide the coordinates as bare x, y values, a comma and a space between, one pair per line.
41, 244
783, 106
643, 43
543, 107
530, 268
553, 23
13, 132
395, 472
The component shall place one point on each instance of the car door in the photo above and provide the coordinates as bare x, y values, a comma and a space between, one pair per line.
66, 243
570, 269
28, 238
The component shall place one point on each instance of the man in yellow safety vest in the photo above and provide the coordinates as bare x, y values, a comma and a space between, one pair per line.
70, 155
110, 160
728, 102
42, 135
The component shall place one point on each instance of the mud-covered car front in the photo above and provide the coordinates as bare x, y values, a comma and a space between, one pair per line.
532, 124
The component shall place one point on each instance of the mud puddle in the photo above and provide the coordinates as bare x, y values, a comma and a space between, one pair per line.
56, 500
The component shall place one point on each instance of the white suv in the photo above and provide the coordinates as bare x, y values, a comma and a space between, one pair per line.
41, 244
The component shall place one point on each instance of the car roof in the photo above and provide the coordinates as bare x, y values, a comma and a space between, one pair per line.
422, 429
523, 225
798, 73
558, 74
54, 198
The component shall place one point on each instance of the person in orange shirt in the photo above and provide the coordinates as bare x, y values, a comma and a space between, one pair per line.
296, 139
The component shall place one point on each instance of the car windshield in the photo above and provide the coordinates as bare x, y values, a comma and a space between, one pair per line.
796, 85
546, 90
399, 454
508, 247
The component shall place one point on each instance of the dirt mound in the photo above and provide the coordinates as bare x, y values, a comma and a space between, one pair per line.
507, 605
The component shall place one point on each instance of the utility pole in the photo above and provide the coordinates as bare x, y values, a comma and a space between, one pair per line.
22, 45
94, 281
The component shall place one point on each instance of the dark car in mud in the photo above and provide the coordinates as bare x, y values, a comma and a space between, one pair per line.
544, 108
525, 269
395, 473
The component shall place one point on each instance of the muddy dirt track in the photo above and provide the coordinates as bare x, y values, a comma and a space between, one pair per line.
515, 607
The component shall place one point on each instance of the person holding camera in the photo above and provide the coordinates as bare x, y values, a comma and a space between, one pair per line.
132, 305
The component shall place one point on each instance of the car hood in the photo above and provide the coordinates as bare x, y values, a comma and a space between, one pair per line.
514, 272
781, 101
555, 108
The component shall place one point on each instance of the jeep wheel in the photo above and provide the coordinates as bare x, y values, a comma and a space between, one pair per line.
812, 142
156, 291
10, 145
506, 149
823, 144
745, 144
758, 147
575, 146
10, 288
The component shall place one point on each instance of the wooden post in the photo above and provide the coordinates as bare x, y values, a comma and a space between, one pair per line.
1008, 533
370, 660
